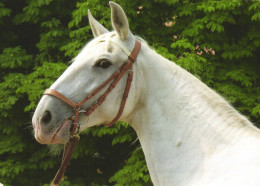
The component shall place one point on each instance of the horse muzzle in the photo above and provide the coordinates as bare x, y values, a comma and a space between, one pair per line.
52, 122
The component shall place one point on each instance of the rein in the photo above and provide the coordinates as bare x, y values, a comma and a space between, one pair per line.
113, 80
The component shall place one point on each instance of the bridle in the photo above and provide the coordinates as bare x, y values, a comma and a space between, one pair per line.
113, 80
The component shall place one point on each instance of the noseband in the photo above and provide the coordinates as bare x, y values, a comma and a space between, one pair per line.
113, 80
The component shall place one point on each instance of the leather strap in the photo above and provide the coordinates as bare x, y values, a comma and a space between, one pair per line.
102, 98
125, 95
114, 79
67, 154
60, 96
135, 51
75, 122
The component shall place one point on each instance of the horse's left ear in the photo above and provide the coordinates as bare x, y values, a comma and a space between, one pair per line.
96, 27
119, 21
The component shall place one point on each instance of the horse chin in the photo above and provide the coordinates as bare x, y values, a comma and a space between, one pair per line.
57, 135
62, 134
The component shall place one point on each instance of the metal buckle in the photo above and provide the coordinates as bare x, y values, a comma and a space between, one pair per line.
82, 111
75, 108
75, 135
72, 118
77, 130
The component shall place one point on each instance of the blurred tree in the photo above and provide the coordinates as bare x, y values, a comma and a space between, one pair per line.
217, 41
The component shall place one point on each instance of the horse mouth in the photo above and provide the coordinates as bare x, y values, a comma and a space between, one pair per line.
62, 133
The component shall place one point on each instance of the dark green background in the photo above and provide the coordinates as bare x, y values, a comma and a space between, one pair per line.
217, 41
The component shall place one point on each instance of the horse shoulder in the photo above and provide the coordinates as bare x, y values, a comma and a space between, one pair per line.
237, 165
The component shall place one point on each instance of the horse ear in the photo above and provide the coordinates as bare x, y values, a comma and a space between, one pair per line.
119, 21
96, 27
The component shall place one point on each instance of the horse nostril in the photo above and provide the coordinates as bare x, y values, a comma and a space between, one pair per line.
46, 117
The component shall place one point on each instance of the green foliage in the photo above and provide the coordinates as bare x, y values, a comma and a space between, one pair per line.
15, 57
8, 97
36, 82
4, 11
121, 131
217, 41
134, 172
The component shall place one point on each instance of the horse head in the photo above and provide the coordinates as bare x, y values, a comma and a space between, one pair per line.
97, 61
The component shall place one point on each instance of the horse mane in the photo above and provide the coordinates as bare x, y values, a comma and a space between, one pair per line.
210, 98
214, 101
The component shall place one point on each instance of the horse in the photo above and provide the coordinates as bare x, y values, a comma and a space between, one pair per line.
189, 134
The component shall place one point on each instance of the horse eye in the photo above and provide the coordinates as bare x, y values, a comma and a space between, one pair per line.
103, 64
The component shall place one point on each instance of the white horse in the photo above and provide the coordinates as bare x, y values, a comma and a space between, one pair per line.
189, 134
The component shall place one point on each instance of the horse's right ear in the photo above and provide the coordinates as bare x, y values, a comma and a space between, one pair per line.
120, 22
96, 27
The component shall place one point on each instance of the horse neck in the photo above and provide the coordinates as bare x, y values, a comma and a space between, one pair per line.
179, 120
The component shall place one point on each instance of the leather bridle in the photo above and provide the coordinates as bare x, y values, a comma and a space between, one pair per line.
113, 80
